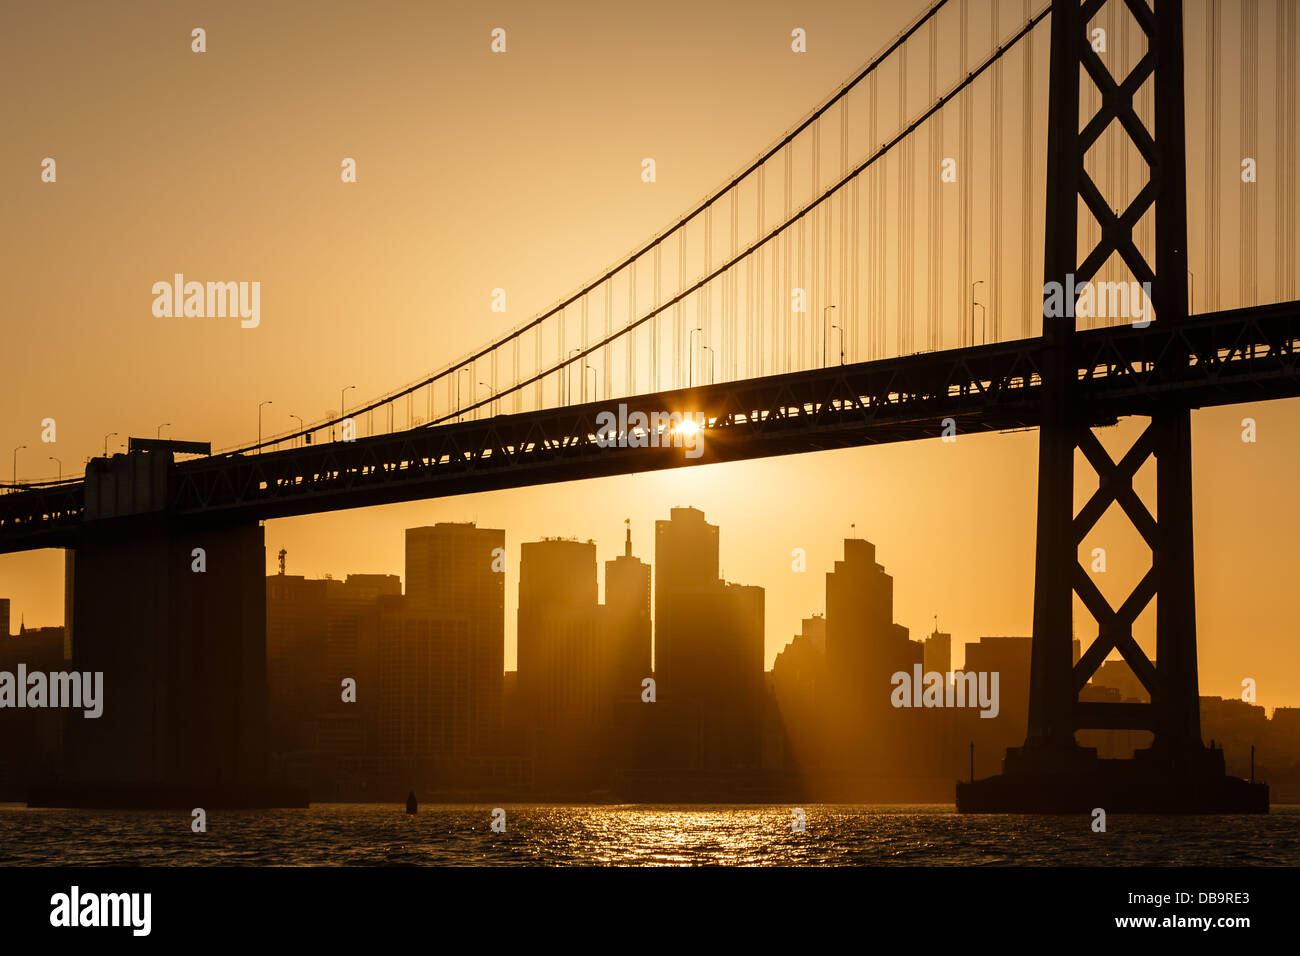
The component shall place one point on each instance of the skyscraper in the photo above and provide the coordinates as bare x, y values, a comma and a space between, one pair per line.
708, 647
565, 683
627, 619
863, 644
938, 653
864, 648
686, 560
455, 572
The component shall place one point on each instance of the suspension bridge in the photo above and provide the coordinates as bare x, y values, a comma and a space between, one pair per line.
879, 274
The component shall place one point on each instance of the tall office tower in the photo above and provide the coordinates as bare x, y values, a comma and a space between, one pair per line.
314, 631
938, 653
423, 713
864, 648
455, 572
295, 633
627, 619
686, 561
718, 673
708, 648
565, 680
862, 641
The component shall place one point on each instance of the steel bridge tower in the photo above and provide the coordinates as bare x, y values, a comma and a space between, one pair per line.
1051, 772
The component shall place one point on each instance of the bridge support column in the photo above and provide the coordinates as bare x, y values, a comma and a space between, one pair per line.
175, 620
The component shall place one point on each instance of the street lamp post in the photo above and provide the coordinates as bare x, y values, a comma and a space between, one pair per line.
568, 376
158, 432
595, 380
709, 349
302, 426
973, 303
16, 451
459, 372
841, 331
489, 388
259, 423
59, 462
106, 438
342, 411
825, 316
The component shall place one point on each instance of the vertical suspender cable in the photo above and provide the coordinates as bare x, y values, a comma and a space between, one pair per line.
1031, 298
1249, 241
1212, 156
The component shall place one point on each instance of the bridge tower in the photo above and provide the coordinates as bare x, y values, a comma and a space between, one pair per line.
1051, 772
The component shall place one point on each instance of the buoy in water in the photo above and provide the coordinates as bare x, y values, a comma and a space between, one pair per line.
411, 805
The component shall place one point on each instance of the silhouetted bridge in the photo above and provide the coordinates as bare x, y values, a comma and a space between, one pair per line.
743, 270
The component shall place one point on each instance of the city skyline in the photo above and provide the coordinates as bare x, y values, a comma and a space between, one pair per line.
955, 521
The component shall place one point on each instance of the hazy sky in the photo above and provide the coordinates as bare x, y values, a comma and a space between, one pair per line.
478, 171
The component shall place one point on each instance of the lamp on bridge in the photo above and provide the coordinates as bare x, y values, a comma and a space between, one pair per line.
825, 316
841, 331
259, 424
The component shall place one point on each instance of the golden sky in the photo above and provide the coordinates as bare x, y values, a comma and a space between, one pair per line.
522, 171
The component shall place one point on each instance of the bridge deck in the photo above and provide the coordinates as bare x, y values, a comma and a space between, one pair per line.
1215, 359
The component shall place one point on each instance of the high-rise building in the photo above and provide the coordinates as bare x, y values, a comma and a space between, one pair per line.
863, 644
627, 619
32, 738
423, 710
686, 561
708, 648
864, 649
565, 684
938, 653
314, 641
455, 572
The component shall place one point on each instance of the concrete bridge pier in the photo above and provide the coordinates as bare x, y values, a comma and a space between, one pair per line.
174, 617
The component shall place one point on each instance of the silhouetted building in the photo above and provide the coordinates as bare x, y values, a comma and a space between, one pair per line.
565, 664
719, 673
456, 572
864, 648
627, 619
1119, 675
686, 559
317, 634
863, 644
708, 649
799, 685
31, 739
1009, 658
938, 653
4, 617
